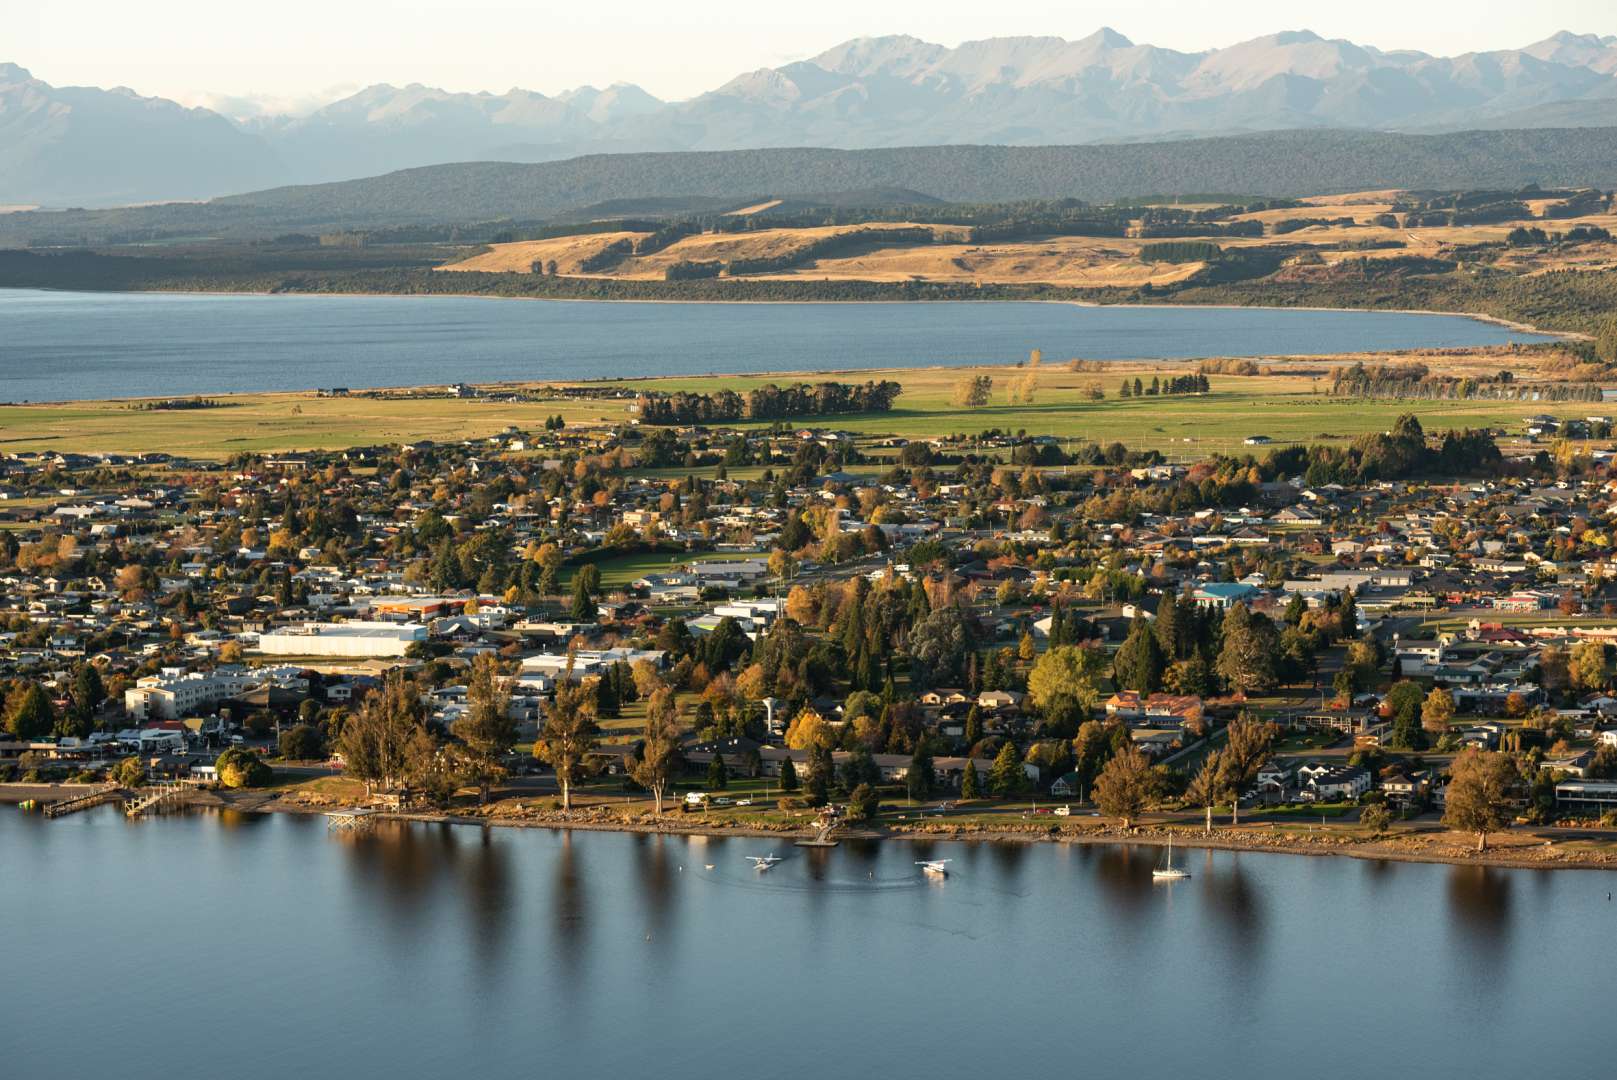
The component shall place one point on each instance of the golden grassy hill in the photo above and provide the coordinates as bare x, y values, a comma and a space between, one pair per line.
1080, 262
519, 257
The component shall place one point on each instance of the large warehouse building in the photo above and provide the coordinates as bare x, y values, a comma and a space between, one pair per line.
348, 639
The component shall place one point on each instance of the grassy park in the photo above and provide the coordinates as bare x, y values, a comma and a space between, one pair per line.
1286, 407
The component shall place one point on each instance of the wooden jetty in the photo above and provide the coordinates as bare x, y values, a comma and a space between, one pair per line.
159, 795
822, 837
64, 807
351, 818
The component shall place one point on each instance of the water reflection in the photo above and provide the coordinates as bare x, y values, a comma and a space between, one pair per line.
1479, 897
863, 856
394, 865
1378, 873
655, 870
399, 869
487, 881
242, 819
1008, 860
816, 863
1479, 903
569, 928
1124, 874
1234, 909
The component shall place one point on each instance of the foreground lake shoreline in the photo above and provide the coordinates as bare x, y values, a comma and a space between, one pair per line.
1421, 845
1447, 849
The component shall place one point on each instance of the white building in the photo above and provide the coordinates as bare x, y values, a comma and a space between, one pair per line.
586, 662
174, 694
347, 639
759, 612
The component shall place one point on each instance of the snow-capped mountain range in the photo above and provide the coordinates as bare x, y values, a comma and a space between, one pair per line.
87, 146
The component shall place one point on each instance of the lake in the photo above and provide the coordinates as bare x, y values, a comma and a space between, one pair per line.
220, 944
62, 345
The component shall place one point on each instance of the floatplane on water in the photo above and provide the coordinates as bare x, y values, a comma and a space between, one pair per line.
763, 862
940, 867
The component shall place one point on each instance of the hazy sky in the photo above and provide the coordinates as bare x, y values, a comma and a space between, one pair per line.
293, 52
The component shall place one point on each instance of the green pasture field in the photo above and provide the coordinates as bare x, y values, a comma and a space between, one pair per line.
1286, 408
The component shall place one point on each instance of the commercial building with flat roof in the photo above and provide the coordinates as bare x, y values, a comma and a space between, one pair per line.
348, 639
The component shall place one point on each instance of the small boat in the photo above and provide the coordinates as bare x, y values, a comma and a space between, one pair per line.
939, 867
763, 862
1168, 871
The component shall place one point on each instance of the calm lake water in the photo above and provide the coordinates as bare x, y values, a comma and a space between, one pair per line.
210, 945
61, 345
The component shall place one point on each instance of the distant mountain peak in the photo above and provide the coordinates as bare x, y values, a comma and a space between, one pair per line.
1567, 37
1108, 37
82, 144
898, 55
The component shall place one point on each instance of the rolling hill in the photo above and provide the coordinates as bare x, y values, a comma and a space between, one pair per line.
1275, 164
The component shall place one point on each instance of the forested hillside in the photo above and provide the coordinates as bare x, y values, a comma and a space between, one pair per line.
1279, 164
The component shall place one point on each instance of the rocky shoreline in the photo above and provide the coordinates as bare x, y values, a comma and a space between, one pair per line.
1517, 849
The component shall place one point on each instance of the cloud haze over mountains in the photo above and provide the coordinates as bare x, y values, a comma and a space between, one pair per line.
64, 146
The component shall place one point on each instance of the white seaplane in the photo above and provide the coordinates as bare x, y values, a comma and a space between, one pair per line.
939, 867
763, 862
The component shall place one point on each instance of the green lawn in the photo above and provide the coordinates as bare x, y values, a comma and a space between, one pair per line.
1300, 813
1296, 742
622, 570
1520, 620
1287, 408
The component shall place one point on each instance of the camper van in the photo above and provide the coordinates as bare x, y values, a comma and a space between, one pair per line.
162, 742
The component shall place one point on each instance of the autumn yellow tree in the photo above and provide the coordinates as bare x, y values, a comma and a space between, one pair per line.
1206, 788
568, 735
972, 391
1066, 671
647, 679
809, 730
1589, 666
801, 606
659, 747
750, 684
1437, 711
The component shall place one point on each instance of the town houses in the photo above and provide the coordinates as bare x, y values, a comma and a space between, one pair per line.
993, 604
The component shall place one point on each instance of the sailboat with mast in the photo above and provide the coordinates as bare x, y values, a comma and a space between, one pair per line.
1168, 871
